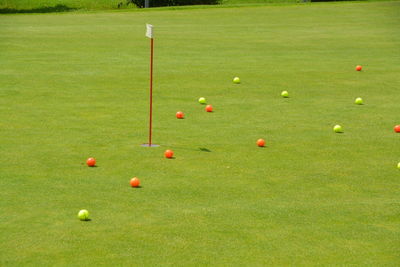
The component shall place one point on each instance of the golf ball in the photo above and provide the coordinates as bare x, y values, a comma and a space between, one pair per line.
91, 162
358, 101
169, 153
83, 215
202, 100
135, 182
338, 129
236, 80
260, 142
285, 94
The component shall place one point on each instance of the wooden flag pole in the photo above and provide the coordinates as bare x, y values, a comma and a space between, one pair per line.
149, 33
151, 89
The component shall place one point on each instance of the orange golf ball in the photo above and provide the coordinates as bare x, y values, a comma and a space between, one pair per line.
209, 108
135, 182
169, 154
260, 142
358, 68
397, 128
179, 115
91, 162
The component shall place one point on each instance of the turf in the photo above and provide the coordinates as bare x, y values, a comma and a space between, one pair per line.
48, 6
52, 6
74, 86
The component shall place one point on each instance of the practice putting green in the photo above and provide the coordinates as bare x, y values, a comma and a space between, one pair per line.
74, 86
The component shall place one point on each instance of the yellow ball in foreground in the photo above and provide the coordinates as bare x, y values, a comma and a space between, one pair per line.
285, 94
338, 129
83, 215
358, 101
202, 100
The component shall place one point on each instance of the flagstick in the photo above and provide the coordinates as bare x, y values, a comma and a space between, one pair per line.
151, 89
149, 33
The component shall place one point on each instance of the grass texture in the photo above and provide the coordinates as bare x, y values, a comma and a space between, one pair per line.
51, 6
74, 86
48, 6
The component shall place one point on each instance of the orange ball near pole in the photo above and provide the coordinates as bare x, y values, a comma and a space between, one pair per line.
91, 162
169, 154
179, 115
260, 142
135, 182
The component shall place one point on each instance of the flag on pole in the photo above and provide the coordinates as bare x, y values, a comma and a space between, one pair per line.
149, 31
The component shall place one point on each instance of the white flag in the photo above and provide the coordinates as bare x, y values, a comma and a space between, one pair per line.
149, 30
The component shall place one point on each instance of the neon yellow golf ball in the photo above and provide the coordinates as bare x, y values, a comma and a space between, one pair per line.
285, 94
358, 101
83, 215
202, 100
338, 129
236, 80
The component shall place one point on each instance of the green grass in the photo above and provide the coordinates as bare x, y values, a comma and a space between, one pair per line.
46, 6
75, 86
246, 2
51, 6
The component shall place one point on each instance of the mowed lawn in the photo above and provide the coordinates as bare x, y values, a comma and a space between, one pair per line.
45, 6
75, 85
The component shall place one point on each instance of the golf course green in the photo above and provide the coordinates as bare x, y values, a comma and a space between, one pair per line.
76, 85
